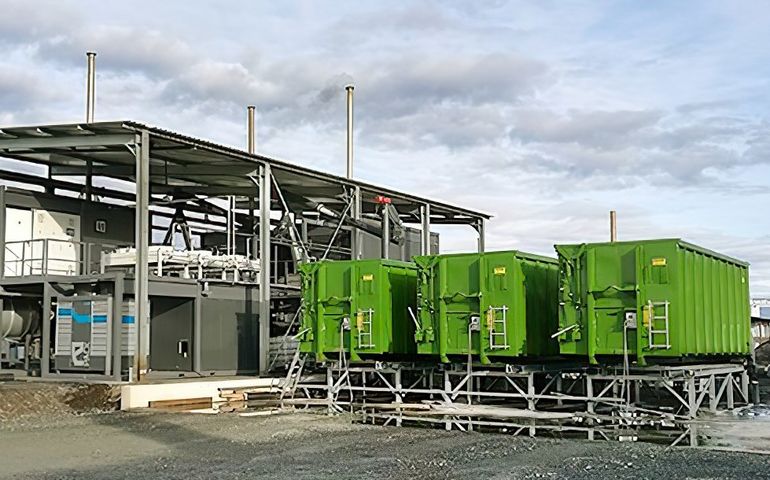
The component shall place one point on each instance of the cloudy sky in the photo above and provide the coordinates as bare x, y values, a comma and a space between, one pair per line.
544, 114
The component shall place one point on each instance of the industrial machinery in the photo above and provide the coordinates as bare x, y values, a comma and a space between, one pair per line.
494, 306
72, 261
652, 300
360, 308
184, 259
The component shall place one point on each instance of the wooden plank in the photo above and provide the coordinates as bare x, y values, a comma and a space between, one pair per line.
182, 403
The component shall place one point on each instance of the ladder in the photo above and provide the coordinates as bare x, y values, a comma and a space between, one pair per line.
364, 327
293, 375
652, 319
497, 324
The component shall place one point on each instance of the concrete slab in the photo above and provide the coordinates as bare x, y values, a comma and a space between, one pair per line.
140, 395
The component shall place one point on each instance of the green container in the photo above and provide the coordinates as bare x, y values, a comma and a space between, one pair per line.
652, 299
495, 305
359, 307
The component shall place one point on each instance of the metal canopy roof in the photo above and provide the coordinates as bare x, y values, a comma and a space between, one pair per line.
185, 165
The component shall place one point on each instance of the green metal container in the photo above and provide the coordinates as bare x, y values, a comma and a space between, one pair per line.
358, 306
495, 305
652, 299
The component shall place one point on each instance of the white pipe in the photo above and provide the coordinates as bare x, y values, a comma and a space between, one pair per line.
349, 89
90, 87
251, 129
613, 226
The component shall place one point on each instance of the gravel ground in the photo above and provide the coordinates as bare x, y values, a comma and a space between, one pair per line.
304, 446
19, 400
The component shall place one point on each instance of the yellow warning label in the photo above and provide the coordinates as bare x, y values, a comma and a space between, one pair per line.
499, 270
490, 319
659, 262
368, 277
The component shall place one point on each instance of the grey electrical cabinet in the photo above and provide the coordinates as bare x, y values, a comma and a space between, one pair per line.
171, 339
84, 326
230, 330
216, 332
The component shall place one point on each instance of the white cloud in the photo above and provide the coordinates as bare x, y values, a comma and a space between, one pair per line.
545, 115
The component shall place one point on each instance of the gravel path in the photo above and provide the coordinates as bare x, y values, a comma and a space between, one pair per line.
304, 446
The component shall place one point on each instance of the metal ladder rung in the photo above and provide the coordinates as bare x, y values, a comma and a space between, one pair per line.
502, 324
652, 331
364, 327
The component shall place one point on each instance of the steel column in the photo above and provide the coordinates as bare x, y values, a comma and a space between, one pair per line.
480, 229
355, 232
425, 234
141, 268
196, 340
3, 215
385, 240
264, 259
45, 362
303, 230
117, 315
253, 250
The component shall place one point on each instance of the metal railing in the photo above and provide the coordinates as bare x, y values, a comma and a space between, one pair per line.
51, 256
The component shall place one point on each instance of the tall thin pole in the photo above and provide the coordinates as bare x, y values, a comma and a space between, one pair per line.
90, 87
251, 129
349, 89
613, 226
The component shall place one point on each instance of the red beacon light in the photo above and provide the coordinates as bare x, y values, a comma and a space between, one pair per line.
382, 200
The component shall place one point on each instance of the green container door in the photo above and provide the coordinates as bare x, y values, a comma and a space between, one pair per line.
359, 307
493, 305
652, 299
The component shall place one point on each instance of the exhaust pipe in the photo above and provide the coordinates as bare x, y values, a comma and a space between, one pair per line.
251, 129
349, 88
90, 87
613, 226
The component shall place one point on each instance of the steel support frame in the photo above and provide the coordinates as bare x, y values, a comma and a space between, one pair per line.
592, 397
301, 236
353, 199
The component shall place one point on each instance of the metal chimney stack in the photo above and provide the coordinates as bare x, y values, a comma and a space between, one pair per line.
613, 226
349, 88
251, 129
91, 87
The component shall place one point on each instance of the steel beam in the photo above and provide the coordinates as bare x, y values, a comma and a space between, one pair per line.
69, 186
219, 169
31, 143
264, 273
141, 268
210, 190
